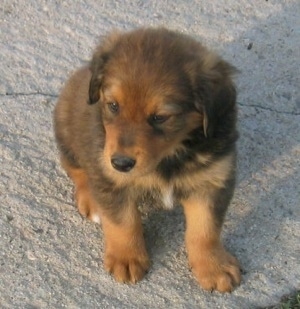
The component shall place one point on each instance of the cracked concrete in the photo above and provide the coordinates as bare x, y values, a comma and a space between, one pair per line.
50, 257
269, 109
17, 94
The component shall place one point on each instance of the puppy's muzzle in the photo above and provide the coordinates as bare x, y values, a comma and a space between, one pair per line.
122, 163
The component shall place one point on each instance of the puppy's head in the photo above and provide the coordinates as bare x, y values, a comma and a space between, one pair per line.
154, 88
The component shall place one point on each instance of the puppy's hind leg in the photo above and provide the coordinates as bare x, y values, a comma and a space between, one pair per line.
86, 204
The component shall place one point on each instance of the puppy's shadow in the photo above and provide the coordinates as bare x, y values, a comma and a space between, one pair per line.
164, 231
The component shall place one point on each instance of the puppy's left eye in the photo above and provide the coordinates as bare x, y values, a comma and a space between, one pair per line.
113, 107
158, 119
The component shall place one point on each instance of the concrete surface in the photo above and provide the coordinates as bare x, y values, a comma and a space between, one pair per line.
49, 256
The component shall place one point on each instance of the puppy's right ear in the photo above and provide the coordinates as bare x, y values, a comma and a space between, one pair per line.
97, 68
97, 65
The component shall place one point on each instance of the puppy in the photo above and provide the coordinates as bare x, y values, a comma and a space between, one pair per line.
153, 113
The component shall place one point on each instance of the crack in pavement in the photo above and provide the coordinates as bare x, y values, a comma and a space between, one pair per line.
269, 109
16, 94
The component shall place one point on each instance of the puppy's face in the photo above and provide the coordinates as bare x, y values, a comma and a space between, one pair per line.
146, 116
154, 88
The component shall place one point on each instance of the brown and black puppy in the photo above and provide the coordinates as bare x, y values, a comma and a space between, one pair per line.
154, 112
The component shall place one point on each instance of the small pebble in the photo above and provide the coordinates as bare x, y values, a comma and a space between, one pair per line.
31, 256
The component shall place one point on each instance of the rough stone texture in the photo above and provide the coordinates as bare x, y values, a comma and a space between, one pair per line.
50, 257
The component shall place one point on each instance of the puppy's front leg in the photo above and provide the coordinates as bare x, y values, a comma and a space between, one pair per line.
125, 252
213, 266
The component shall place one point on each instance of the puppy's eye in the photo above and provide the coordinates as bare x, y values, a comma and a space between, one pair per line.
158, 119
113, 107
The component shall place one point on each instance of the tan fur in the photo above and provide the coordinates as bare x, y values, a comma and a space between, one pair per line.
213, 267
189, 158
86, 204
125, 252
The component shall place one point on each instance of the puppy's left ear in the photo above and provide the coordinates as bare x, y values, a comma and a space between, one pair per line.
215, 95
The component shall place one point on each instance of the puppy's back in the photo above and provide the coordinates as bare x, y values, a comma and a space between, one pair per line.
69, 111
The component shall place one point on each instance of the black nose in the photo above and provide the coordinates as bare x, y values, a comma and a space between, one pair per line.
122, 164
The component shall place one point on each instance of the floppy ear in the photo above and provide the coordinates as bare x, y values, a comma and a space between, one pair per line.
215, 95
97, 65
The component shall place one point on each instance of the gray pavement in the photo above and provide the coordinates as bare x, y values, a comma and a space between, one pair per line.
49, 256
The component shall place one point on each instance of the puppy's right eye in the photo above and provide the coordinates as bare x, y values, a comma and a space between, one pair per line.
113, 107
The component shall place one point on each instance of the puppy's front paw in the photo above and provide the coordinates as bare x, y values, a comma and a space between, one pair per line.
216, 270
126, 267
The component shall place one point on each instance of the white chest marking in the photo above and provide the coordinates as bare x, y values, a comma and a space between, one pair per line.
168, 198
95, 218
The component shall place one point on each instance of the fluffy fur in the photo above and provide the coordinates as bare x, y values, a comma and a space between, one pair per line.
153, 113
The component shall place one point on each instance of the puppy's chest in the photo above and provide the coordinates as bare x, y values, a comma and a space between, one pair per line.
168, 197
160, 197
